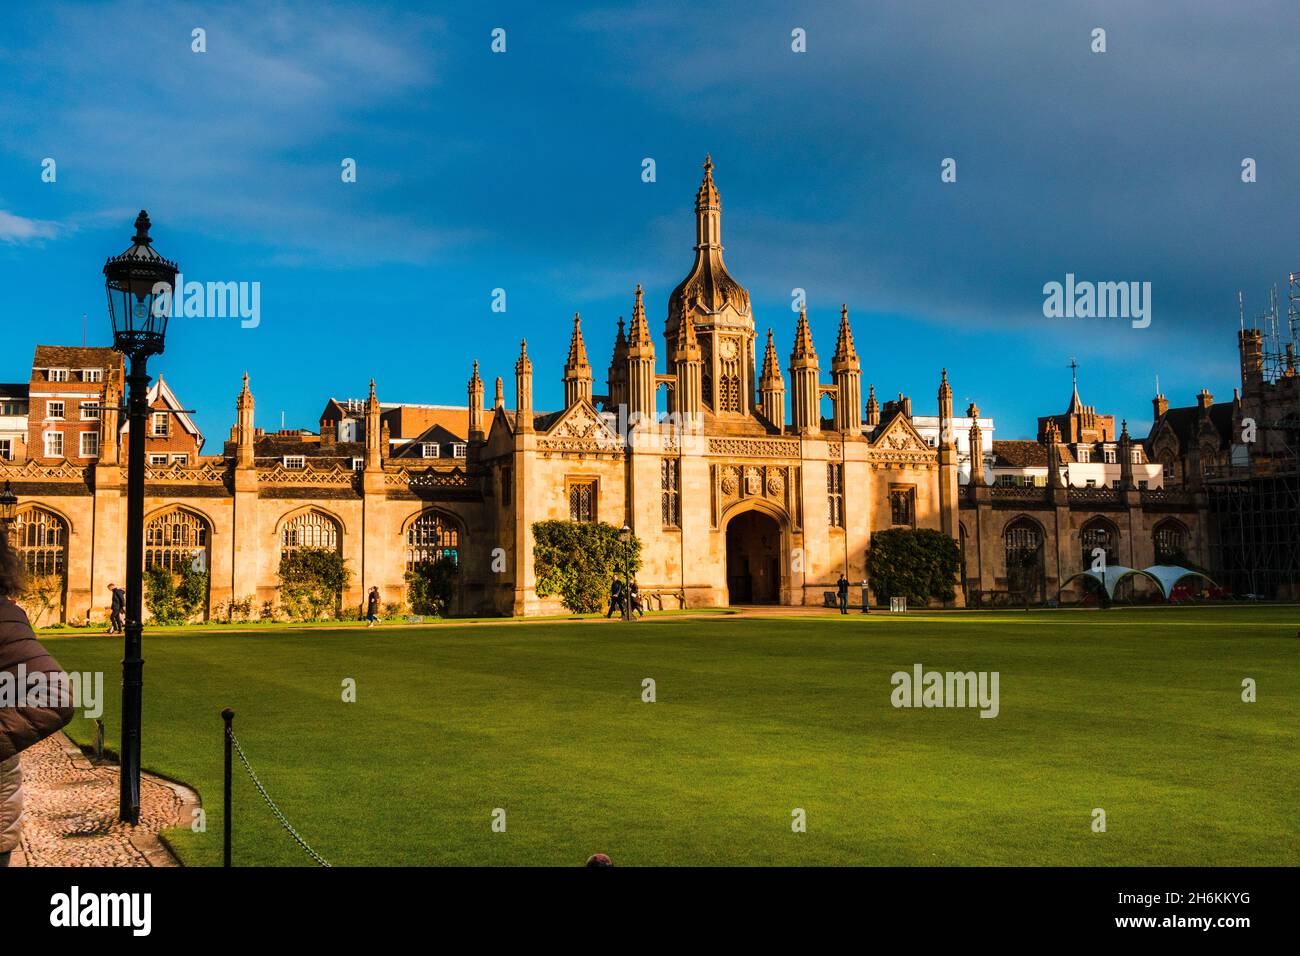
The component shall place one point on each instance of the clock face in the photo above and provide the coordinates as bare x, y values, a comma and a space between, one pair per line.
727, 349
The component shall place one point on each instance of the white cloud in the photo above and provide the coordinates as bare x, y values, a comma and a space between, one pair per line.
21, 230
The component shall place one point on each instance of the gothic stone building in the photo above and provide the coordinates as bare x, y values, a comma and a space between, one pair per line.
735, 497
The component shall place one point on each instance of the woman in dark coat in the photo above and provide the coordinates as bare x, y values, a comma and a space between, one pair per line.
29, 717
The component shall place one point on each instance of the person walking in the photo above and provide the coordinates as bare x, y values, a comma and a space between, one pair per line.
372, 607
634, 596
615, 598
23, 722
842, 587
117, 609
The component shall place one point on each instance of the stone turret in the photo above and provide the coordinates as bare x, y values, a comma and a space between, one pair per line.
805, 390
846, 373
374, 432
523, 389
244, 431
108, 420
687, 358
640, 366
976, 446
617, 380
1125, 457
475, 390
872, 418
577, 370
771, 386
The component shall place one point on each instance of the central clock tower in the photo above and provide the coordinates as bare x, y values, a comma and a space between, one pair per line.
718, 309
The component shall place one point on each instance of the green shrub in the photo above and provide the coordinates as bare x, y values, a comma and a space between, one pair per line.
919, 564
312, 581
431, 585
578, 560
43, 595
172, 597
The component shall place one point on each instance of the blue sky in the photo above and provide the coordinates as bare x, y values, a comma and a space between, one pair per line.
522, 171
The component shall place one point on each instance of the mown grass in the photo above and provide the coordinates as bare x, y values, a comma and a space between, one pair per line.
1137, 712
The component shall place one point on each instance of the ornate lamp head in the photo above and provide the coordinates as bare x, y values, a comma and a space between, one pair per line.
8, 505
140, 285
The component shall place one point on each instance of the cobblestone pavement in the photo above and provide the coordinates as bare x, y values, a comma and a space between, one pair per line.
71, 812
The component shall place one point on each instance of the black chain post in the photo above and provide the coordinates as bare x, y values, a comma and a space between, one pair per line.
228, 716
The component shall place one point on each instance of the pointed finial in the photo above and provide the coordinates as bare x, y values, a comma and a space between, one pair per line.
577, 347
803, 343
771, 367
688, 345
142, 224
639, 335
707, 195
845, 354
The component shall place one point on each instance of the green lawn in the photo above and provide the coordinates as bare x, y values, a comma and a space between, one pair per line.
1135, 711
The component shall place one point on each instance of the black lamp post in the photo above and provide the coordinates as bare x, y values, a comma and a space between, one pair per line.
626, 534
140, 285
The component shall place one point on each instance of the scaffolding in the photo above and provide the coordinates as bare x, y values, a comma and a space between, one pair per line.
1255, 534
1254, 504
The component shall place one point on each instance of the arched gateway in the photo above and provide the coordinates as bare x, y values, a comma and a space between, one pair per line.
753, 559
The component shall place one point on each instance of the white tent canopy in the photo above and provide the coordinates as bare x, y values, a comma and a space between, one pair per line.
1165, 576
1110, 578
1168, 575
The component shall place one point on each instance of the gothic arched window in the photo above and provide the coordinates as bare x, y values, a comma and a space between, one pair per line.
1023, 551
430, 537
174, 538
1098, 533
41, 537
311, 529
1170, 542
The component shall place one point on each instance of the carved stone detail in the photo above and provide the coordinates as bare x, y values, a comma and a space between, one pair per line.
754, 447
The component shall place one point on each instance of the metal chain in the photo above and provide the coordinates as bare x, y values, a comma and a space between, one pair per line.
320, 860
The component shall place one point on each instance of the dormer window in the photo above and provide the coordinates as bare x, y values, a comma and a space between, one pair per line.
92, 374
295, 462
56, 374
1085, 456
429, 449
458, 451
